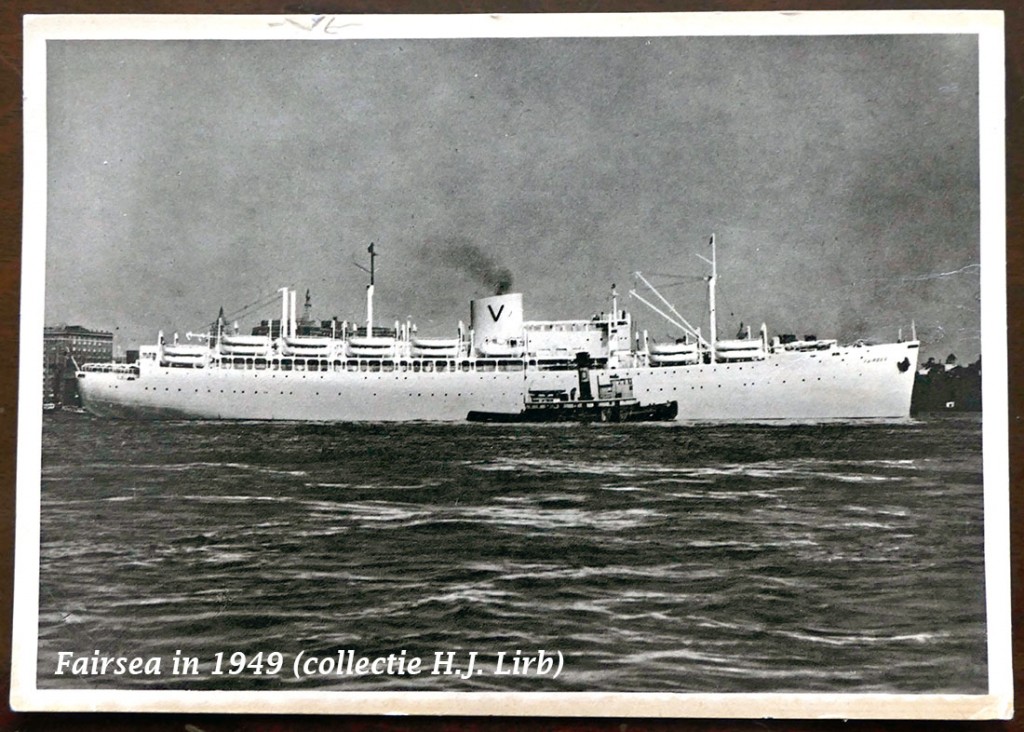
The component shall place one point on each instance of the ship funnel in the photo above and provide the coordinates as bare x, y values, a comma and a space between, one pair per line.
497, 319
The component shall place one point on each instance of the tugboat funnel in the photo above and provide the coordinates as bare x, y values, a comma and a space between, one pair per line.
583, 369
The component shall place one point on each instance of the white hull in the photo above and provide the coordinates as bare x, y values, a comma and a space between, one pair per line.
865, 382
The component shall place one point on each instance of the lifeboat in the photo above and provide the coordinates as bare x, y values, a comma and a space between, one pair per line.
186, 351
244, 340
681, 359
738, 345
810, 345
370, 346
673, 354
185, 355
435, 347
243, 350
307, 346
242, 345
492, 349
673, 349
735, 350
309, 342
435, 342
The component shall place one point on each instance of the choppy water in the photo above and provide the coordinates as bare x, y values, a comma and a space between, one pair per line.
842, 558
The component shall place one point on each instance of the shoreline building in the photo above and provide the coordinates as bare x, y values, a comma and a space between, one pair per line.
61, 344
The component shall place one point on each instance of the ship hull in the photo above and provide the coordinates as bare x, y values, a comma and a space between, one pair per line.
866, 382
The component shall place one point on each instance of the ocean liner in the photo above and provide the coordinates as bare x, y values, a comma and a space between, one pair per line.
502, 366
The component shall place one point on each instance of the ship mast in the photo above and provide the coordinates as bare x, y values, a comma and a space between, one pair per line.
712, 280
369, 293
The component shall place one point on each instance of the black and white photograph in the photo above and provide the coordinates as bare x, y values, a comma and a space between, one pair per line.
621, 364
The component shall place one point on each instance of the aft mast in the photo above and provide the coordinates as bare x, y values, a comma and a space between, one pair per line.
369, 293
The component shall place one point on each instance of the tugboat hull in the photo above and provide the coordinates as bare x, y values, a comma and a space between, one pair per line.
596, 411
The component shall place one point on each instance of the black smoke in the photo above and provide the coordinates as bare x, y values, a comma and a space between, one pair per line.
474, 261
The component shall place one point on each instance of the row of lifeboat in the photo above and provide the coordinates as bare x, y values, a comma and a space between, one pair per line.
311, 347
660, 354
684, 354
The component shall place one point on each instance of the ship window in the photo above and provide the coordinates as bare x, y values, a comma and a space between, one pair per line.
387, 365
465, 366
260, 363
440, 365
428, 365
337, 366
325, 366
286, 365
374, 366
352, 365
485, 365
403, 365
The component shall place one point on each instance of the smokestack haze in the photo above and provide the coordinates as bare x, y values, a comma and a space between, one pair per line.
471, 259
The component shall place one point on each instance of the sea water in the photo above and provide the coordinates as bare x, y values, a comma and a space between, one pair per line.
652, 557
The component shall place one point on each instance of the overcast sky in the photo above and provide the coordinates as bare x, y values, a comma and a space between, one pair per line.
840, 175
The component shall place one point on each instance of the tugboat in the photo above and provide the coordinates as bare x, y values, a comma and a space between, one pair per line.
614, 403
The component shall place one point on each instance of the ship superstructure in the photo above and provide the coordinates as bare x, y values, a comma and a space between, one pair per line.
341, 371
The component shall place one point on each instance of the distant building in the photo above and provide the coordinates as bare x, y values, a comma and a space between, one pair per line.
63, 347
947, 387
304, 326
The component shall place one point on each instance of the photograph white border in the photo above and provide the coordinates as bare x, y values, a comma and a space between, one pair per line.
987, 25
